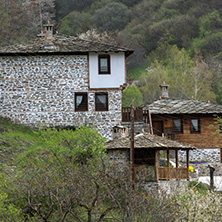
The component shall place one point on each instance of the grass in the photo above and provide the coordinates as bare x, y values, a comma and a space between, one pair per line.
14, 138
199, 186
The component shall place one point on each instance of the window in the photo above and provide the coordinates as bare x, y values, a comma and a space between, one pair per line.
177, 126
194, 125
104, 64
81, 102
101, 101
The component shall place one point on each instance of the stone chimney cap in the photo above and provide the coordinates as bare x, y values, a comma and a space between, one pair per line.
164, 90
163, 84
49, 24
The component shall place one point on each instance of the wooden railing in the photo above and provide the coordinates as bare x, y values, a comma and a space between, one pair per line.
140, 115
173, 173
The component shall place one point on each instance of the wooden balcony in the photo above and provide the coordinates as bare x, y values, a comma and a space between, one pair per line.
140, 115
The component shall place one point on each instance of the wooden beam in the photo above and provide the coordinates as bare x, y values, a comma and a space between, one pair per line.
177, 164
150, 121
168, 163
188, 163
221, 155
157, 164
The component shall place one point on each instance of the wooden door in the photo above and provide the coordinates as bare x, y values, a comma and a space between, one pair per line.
158, 128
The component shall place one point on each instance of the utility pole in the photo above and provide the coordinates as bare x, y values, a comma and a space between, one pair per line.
132, 146
132, 180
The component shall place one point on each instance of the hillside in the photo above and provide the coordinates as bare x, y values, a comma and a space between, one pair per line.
14, 139
190, 28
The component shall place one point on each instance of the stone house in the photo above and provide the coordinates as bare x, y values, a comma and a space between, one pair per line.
189, 121
152, 159
63, 80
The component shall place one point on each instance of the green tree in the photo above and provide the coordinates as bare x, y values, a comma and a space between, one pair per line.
14, 22
67, 177
150, 81
187, 77
64, 7
210, 23
75, 23
111, 17
132, 92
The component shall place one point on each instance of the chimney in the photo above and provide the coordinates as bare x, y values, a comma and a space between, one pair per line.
48, 33
164, 90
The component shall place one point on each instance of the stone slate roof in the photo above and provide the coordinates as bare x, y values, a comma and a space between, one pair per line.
171, 106
147, 141
62, 44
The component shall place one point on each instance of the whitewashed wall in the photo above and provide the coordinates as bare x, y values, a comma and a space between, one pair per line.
117, 68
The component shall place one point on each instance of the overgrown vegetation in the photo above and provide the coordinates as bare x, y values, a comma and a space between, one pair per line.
64, 175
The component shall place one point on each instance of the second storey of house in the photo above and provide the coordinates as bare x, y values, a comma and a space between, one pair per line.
201, 131
107, 70
189, 121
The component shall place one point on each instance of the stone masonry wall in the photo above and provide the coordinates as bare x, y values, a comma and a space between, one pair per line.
39, 90
200, 155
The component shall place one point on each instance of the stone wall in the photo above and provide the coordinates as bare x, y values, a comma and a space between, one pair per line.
39, 90
201, 155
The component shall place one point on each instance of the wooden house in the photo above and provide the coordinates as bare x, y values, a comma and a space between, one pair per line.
189, 121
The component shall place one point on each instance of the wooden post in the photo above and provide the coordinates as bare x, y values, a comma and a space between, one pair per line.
132, 179
221, 155
157, 164
132, 145
188, 163
168, 163
150, 121
177, 164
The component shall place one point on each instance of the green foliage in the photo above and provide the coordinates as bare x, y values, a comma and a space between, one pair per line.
135, 73
14, 138
130, 2
64, 7
79, 146
111, 17
8, 212
209, 45
218, 92
15, 22
48, 184
199, 186
193, 205
210, 23
75, 23
132, 92
187, 77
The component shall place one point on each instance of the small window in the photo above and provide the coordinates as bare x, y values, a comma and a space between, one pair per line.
81, 102
104, 64
194, 125
177, 126
101, 101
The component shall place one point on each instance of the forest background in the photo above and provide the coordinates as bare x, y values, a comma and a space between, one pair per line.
176, 41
